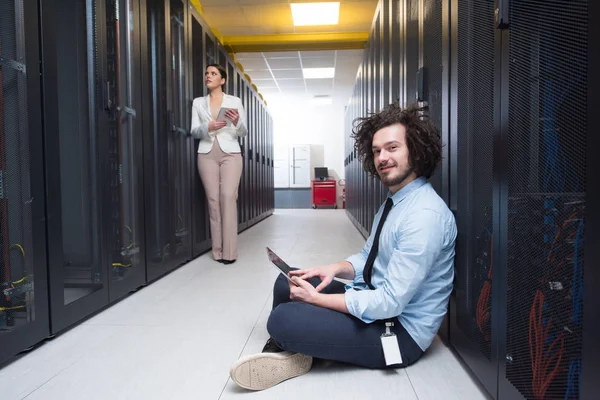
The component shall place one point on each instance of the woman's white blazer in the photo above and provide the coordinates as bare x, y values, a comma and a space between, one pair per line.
228, 135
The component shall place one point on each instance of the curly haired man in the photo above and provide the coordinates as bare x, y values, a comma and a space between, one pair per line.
401, 280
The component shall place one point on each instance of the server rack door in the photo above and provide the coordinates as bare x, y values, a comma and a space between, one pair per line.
386, 50
257, 180
201, 229
258, 113
243, 197
247, 154
411, 51
254, 149
167, 148
256, 146
377, 63
260, 158
246, 143
396, 50
271, 166
24, 304
432, 47
263, 159
124, 200
230, 79
180, 146
472, 309
74, 149
222, 60
373, 101
546, 208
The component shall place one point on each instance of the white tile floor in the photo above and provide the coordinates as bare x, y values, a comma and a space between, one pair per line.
177, 338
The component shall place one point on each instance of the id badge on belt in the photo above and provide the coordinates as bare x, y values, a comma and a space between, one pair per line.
391, 350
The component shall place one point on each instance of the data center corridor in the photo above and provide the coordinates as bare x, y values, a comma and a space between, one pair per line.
177, 338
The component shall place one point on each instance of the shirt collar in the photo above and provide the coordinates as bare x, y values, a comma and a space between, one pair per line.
408, 189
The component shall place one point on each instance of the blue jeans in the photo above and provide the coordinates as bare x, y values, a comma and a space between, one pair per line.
332, 335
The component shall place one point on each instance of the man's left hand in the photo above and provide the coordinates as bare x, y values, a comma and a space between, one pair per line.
303, 292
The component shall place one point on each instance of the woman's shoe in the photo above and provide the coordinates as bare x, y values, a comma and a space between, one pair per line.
227, 262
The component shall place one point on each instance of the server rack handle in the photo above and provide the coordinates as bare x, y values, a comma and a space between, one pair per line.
170, 121
502, 14
106, 94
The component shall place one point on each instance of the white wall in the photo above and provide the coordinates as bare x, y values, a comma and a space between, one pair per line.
297, 121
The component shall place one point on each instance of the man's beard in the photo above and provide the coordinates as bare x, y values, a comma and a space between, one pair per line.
390, 181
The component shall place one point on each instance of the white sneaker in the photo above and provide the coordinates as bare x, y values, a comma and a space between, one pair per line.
264, 370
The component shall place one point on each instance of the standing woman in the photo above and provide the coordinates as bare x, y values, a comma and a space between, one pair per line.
220, 159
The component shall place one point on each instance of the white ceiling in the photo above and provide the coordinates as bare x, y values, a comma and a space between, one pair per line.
280, 73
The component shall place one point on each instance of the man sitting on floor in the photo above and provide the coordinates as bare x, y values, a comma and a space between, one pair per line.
401, 280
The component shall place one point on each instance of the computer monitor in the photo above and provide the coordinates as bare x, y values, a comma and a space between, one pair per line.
321, 173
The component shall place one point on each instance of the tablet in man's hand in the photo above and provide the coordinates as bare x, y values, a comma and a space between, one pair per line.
280, 264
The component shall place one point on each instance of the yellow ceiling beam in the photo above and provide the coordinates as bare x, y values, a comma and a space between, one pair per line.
198, 6
296, 42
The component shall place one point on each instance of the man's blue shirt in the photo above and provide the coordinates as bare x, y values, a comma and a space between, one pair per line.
414, 268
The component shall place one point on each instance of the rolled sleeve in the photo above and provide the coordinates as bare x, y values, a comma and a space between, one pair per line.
420, 241
359, 260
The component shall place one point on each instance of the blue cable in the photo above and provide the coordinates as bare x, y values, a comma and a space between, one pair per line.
574, 371
577, 289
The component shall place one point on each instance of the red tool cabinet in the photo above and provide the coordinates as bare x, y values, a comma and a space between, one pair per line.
324, 193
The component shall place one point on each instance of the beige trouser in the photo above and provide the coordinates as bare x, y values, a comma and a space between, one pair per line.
220, 174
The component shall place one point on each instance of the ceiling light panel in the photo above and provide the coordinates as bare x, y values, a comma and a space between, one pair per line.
311, 14
318, 73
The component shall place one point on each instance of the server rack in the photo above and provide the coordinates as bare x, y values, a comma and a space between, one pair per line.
124, 153
514, 115
202, 53
473, 195
99, 191
540, 154
73, 80
167, 150
24, 318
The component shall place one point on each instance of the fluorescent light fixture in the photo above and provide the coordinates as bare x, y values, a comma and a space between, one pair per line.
318, 73
309, 14
321, 100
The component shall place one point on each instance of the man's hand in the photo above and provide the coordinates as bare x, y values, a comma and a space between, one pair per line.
326, 273
304, 291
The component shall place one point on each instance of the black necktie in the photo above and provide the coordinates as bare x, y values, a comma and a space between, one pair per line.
368, 270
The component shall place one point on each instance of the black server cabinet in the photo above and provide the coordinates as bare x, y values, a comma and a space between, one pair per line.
261, 164
433, 80
23, 280
472, 102
411, 40
256, 158
252, 150
200, 56
123, 126
521, 127
243, 191
167, 150
541, 154
590, 358
76, 144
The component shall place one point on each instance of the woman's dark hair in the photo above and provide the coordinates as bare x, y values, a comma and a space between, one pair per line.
422, 137
222, 71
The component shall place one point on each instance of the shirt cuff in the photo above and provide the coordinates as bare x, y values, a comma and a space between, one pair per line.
354, 306
358, 264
